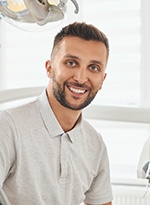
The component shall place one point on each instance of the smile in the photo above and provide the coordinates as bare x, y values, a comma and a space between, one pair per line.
78, 91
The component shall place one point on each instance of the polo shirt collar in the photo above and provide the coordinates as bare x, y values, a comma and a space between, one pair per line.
48, 116
50, 120
74, 133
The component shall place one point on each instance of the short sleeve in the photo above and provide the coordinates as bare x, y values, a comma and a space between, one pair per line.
100, 191
7, 146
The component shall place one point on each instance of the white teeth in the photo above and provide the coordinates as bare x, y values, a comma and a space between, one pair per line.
76, 90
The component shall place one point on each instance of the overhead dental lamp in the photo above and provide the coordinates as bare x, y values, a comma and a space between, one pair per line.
39, 12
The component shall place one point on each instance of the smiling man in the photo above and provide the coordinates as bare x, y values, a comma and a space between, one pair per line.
49, 153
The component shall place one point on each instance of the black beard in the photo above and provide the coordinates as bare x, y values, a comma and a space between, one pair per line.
59, 94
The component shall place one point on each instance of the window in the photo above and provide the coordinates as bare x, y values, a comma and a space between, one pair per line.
23, 52
121, 21
124, 142
125, 22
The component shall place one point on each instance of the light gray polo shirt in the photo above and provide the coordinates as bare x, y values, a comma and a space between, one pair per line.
42, 165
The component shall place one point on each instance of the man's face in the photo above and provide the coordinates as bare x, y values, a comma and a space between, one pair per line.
77, 71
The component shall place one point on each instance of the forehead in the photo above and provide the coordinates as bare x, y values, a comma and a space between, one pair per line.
78, 46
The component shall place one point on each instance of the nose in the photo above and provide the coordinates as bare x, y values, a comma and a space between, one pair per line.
81, 75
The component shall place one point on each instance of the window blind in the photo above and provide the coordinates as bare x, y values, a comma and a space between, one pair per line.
24, 53
121, 21
24, 50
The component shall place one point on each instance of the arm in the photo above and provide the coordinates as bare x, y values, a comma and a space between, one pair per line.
7, 147
109, 203
100, 191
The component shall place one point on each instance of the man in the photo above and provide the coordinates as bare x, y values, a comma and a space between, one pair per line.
49, 155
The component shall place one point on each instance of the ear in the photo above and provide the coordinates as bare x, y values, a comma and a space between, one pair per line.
48, 68
104, 77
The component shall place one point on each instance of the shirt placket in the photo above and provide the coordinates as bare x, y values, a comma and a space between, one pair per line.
64, 157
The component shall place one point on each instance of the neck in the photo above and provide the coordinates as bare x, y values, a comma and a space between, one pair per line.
66, 117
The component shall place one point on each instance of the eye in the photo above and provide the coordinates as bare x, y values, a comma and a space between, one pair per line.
94, 68
71, 63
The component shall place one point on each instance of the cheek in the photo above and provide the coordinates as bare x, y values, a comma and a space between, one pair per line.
62, 74
58, 76
97, 83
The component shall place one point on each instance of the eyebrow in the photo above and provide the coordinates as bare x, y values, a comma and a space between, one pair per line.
77, 58
97, 62
72, 56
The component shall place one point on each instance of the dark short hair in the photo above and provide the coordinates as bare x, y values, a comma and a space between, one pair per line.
84, 31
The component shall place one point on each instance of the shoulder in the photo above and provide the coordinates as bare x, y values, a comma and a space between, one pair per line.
89, 130
12, 116
19, 109
92, 137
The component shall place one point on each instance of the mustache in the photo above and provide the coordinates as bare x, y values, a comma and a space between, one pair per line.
83, 86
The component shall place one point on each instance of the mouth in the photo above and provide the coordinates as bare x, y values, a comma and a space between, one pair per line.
77, 90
